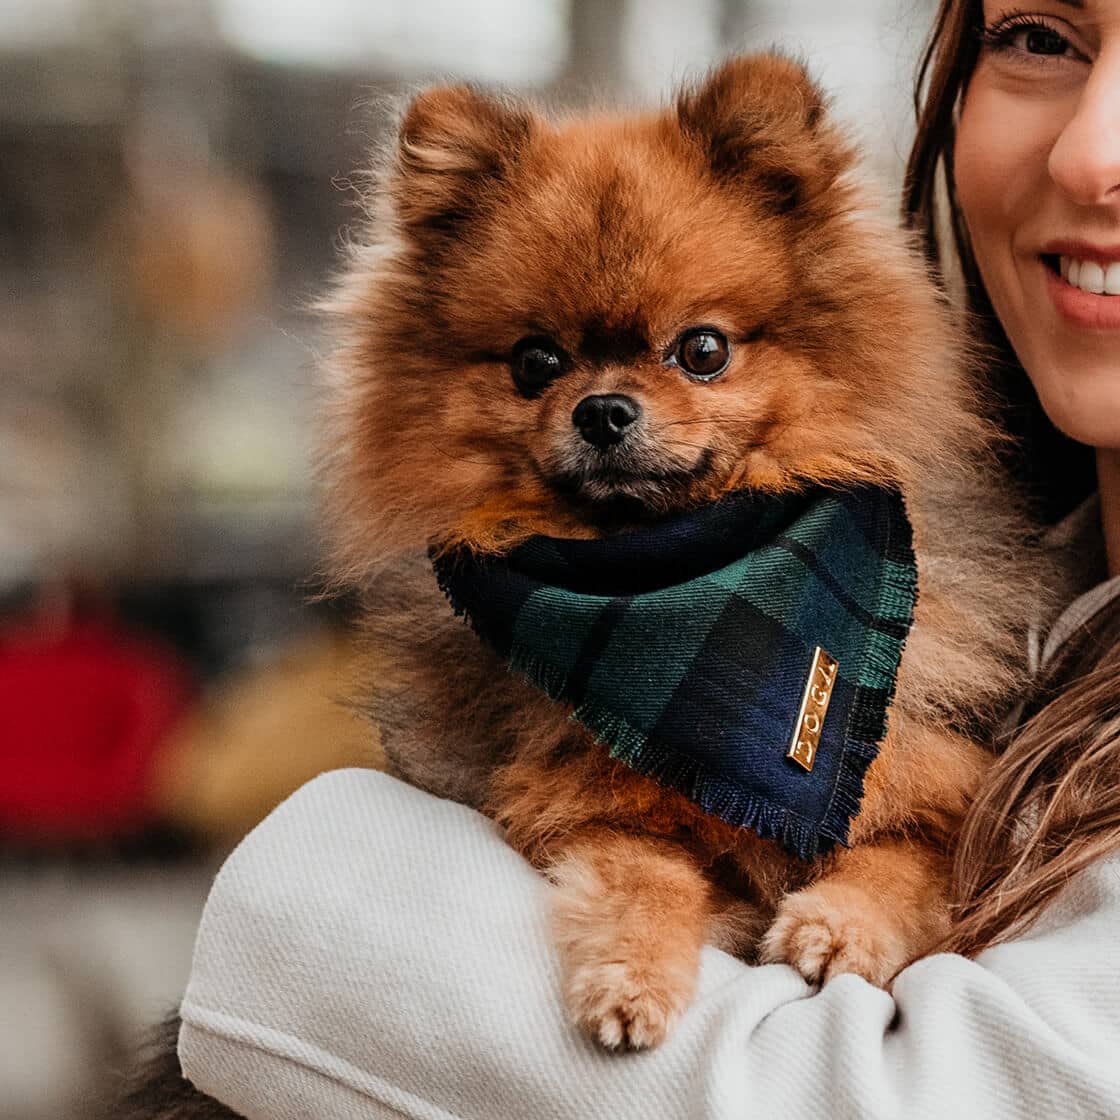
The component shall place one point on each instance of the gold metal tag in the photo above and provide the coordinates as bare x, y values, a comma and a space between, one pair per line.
814, 706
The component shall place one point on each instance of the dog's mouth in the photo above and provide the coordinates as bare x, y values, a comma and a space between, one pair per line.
620, 487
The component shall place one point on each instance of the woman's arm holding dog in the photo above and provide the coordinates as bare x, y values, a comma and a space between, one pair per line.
444, 995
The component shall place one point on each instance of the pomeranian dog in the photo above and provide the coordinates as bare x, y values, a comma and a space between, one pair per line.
573, 328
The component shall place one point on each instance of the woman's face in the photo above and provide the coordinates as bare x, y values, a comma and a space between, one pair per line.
1038, 178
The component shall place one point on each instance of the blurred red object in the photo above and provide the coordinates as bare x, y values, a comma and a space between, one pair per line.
83, 712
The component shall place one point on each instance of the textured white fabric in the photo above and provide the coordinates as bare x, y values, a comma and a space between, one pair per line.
372, 951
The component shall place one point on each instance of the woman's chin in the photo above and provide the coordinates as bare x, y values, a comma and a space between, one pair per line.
1085, 405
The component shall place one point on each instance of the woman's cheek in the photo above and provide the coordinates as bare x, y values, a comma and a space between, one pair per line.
1002, 189
987, 167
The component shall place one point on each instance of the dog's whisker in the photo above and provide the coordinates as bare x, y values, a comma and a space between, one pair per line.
732, 420
465, 459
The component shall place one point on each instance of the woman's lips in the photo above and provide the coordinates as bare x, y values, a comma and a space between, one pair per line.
1080, 308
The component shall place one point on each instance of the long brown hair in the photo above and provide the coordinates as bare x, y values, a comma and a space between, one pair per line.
1051, 804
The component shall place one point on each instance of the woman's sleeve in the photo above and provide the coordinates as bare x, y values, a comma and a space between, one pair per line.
373, 951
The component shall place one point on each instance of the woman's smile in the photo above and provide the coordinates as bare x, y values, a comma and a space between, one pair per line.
1084, 283
1093, 271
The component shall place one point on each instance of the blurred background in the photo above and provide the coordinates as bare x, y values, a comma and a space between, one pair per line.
174, 182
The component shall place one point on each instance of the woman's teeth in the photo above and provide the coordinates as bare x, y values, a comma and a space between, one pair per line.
1091, 277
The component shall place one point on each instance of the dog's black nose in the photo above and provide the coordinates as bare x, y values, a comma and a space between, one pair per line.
603, 420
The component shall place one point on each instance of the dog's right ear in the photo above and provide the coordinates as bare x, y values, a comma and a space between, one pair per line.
761, 122
454, 146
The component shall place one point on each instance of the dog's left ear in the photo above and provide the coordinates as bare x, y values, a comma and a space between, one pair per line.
454, 146
762, 122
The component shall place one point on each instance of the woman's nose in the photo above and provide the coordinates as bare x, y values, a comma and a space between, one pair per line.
1085, 161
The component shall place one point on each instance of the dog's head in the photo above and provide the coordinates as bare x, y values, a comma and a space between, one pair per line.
569, 327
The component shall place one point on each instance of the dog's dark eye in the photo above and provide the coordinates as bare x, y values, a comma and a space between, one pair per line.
537, 362
702, 353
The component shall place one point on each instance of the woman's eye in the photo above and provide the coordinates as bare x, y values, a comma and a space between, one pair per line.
1026, 37
702, 353
1041, 40
537, 362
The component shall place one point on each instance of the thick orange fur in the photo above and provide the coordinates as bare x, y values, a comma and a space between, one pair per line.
736, 207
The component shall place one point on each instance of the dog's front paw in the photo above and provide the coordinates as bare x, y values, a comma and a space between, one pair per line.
832, 928
625, 1005
629, 916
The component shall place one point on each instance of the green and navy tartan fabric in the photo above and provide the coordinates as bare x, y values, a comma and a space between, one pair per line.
685, 647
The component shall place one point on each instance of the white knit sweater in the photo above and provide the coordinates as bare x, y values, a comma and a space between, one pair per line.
372, 951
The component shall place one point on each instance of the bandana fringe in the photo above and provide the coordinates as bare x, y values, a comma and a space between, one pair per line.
711, 792
545, 675
718, 797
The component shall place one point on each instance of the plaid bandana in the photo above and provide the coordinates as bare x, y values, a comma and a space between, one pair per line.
690, 649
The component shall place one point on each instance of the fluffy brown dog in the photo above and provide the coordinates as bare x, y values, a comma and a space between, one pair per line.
716, 264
